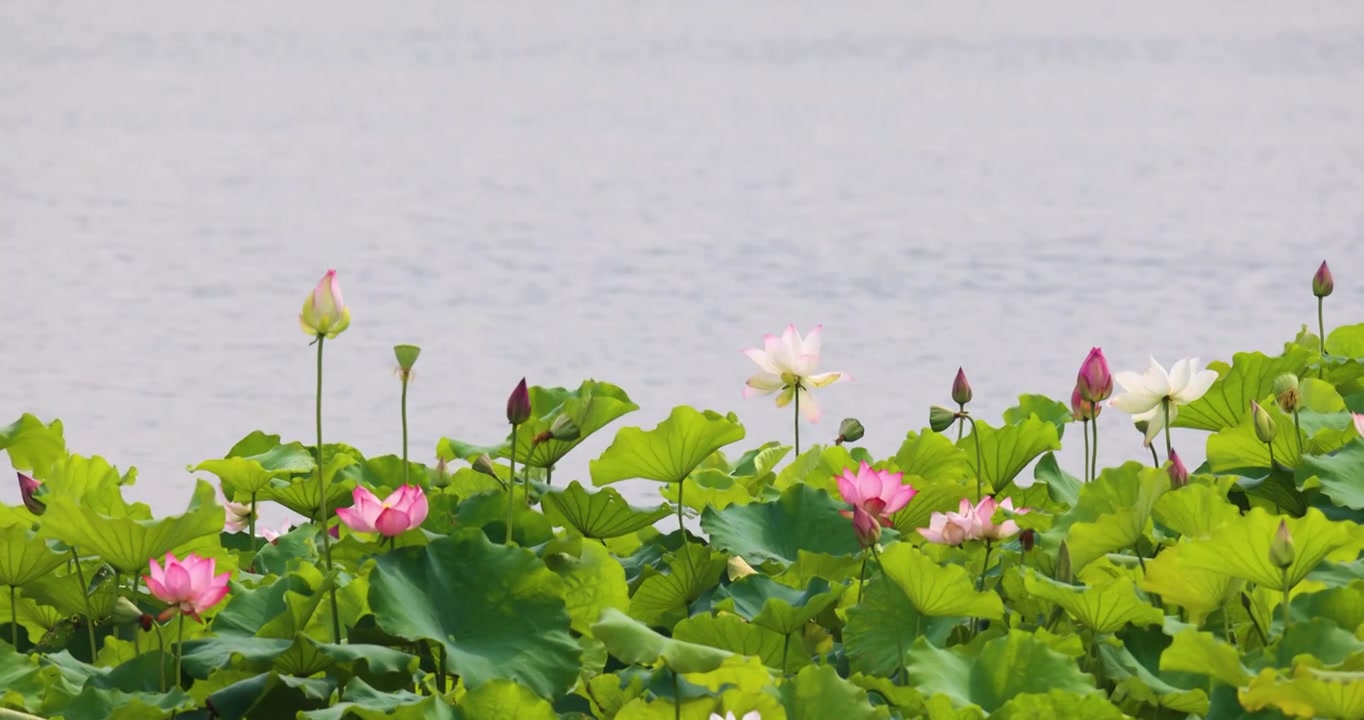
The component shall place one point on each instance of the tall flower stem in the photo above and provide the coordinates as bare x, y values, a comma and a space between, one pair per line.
1165, 405
682, 530
1085, 426
440, 668
406, 470
1271, 456
796, 413
899, 640
677, 697
1287, 620
862, 575
1297, 431
137, 642
1321, 332
961, 420
511, 488
161, 653
322, 500
785, 649
180, 650
980, 464
85, 596
980, 582
1094, 456
13, 618
1155, 459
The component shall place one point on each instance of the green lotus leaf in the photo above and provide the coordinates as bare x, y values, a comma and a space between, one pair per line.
1134, 666
362, 702
908, 701
301, 493
505, 700
733, 634
497, 610
242, 476
928, 499
1238, 448
65, 593
299, 543
25, 557
127, 543
774, 606
609, 693
284, 696
1320, 643
306, 657
1005, 451
1249, 377
1105, 608
803, 518
95, 484
104, 704
1202, 653
1337, 475
249, 611
1062, 487
1346, 341
593, 406
1052, 411
40, 621
707, 487
1342, 605
758, 462
937, 590
1057, 704
467, 482
1195, 511
1198, 591
593, 581
32, 445
1308, 693
488, 511
664, 599
808, 566
1111, 513
386, 471
24, 680
632, 642
739, 672
817, 693
932, 457
1000, 670
1240, 548
603, 514
670, 451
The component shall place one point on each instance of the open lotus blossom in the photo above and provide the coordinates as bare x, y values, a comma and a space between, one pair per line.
238, 515
879, 493
324, 311
272, 535
983, 514
401, 511
188, 586
751, 715
787, 364
951, 528
1146, 393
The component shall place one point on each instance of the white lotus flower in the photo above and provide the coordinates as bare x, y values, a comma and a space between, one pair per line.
1146, 393
788, 364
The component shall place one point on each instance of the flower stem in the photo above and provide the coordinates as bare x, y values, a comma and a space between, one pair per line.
511, 488
161, 653
1168, 447
1155, 459
1287, 620
899, 640
1085, 425
1321, 333
1094, 457
1297, 430
980, 464
322, 501
250, 529
677, 697
406, 470
180, 650
862, 575
680, 529
785, 649
13, 619
1271, 456
980, 582
137, 642
440, 668
85, 595
961, 420
796, 413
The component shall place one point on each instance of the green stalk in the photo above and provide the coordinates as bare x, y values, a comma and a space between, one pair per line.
13, 619
862, 575
1094, 458
980, 464
1297, 430
680, 529
406, 470
322, 500
980, 583
1287, 620
161, 652
785, 649
677, 698
1321, 333
137, 641
1155, 459
899, 641
1085, 426
1168, 447
440, 669
1271, 456
85, 595
180, 651
511, 488
961, 422
796, 394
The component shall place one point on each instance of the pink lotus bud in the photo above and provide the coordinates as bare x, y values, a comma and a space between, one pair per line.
1322, 282
1094, 381
961, 389
1179, 475
518, 405
866, 527
324, 312
1082, 409
28, 490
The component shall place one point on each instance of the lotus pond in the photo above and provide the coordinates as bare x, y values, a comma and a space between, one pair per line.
969, 575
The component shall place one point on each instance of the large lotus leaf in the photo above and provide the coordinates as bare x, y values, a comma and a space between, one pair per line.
593, 581
1249, 377
592, 406
908, 701
94, 483
1308, 693
1240, 548
1238, 448
497, 610
1320, 643
1202, 653
32, 445
1005, 451
883, 625
663, 599
301, 493
242, 476
386, 471
603, 514
1112, 512
1195, 511
774, 606
1062, 487
307, 657
938, 590
1057, 704
928, 499
1134, 666
1105, 608
731, 633
362, 702
1346, 341
1343, 606
284, 696
740, 672
1337, 475
932, 457
803, 518
632, 642
1054, 412
25, 557
818, 464
128, 543
670, 451
24, 680
1198, 591
488, 511
106, 704
504, 700
817, 693
709, 488
277, 610
41, 621
66, 594
1001, 669
809, 566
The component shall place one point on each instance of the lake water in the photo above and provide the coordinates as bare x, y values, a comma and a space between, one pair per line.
634, 192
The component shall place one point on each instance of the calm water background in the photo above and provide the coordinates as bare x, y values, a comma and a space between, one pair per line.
636, 191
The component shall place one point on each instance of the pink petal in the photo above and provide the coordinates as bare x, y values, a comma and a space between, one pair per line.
392, 522
366, 506
200, 573
812, 341
931, 535
420, 508
806, 364
1359, 423
158, 590
847, 487
354, 520
157, 573
209, 598
900, 499
177, 583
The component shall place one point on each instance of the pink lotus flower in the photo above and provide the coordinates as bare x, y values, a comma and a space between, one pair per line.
951, 528
237, 516
867, 529
272, 535
324, 312
28, 491
1094, 380
401, 511
788, 364
1358, 420
985, 528
189, 586
879, 493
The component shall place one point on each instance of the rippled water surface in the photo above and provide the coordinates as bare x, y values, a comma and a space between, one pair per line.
634, 192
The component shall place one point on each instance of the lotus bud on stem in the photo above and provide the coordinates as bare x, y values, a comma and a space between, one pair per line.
961, 395
441, 478
1179, 475
407, 357
1142, 426
30, 491
1281, 553
1062, 573
518, 412
1322, 286
940, 418
1265, 428
1287, 396
1094, 384
850, 430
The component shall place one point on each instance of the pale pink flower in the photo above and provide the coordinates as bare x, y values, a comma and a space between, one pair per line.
189, 586
237, 516
272, 535
984, 527
879, 493
401, 511
1359, 423
788, 365
324, 311
952, 528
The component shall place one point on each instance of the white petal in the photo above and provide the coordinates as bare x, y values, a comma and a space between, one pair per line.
762, 360
810, 346
781, 354
1146, 416
806, 364
1197, 387
808, 407
791, 345
1135, 402
1156, 380
1130, 381
1157, 422
1180, 373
